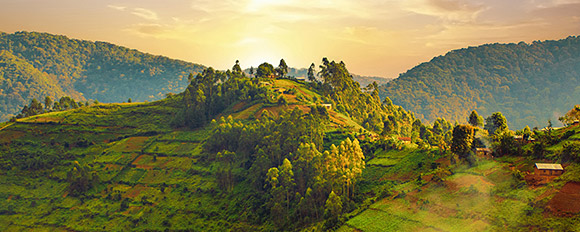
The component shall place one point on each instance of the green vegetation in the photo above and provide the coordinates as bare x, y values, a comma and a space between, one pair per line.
36, 65
269, 153
528, 83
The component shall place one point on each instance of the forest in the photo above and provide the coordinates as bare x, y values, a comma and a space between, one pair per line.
529, 83
36, 65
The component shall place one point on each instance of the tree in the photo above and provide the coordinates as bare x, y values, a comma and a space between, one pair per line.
462, 140
332, 208
282, 69
496, 123
237, 70
129, 100
81, 178
47, 103
287, 180
571, 116
265, 70
312, 73
475, 120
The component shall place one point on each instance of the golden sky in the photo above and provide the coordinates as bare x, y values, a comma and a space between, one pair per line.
373, 37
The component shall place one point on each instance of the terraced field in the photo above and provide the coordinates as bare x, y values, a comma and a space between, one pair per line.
144, 168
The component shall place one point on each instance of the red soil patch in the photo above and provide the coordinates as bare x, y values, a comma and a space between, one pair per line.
135, 191
239, 106
8, 136
534, 180
567, 201
443, 161
142, 166
46, 119
275, 110
113, 166
135, 143
133, 210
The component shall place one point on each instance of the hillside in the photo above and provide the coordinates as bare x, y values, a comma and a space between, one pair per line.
20, 82
268, 153
84, 70
495, 194
528, 83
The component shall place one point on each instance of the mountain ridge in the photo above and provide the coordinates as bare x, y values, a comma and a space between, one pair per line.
529, 83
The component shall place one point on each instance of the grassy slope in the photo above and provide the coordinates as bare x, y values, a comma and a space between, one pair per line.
146, 169
486, 197
138, 158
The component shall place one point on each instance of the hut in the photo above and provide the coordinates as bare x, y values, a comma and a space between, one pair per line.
545, 169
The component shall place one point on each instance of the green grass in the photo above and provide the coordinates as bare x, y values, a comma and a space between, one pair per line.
467, 201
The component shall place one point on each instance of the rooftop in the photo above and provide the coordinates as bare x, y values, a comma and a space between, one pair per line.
543, 166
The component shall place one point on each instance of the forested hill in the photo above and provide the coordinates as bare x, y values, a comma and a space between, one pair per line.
35, 65
528, 83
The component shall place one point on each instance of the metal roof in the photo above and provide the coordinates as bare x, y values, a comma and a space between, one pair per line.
544, 166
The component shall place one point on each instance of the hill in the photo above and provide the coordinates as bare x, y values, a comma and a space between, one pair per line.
264, 153
529, 83
503, 193
84, 70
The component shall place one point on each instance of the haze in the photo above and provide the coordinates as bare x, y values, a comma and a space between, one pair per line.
381, 38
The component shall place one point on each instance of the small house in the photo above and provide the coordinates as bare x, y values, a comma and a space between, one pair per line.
549, 169
575, 123
483, 152
301, 78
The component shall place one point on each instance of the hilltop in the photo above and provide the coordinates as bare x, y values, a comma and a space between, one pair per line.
529, 83
264, 151
36, 65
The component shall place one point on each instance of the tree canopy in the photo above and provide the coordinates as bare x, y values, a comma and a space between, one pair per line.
526, 82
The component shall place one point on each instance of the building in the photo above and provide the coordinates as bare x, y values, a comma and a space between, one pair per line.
549, 169
301, 78
327, 106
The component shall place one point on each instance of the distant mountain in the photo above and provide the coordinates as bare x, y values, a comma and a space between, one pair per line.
35, 65
528, 83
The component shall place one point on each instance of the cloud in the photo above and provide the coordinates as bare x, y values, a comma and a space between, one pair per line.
145, 13
458, 11
119, 8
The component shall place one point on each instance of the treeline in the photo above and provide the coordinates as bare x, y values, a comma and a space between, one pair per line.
494, 133
211, 91
35, 107
528, 83
43, 64
282, 161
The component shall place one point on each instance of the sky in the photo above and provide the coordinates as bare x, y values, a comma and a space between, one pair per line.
373, 37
